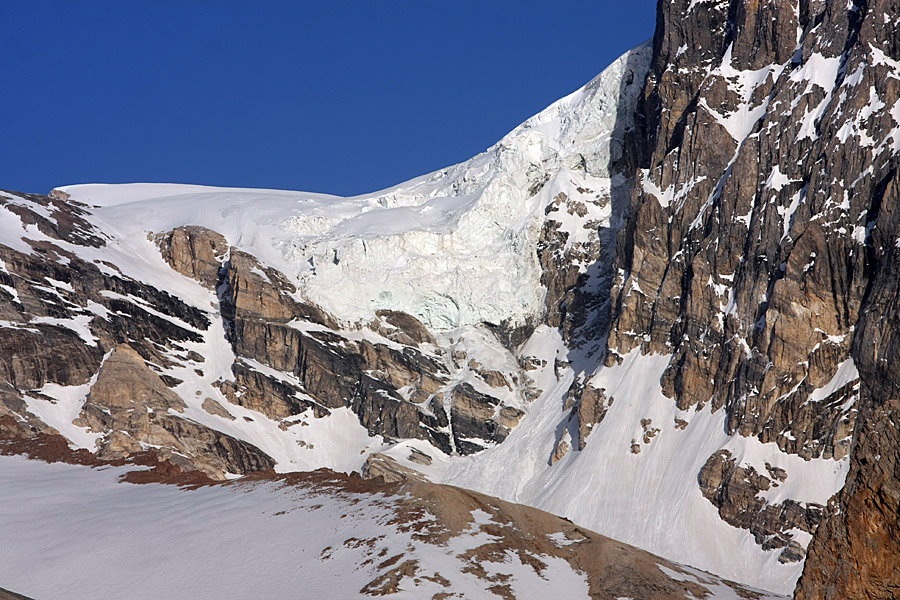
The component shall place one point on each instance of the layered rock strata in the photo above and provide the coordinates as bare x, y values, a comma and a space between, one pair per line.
761, 243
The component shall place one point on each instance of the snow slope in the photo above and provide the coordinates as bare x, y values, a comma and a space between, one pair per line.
77, 532
650, 499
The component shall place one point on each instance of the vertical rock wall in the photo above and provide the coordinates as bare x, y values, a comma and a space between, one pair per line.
760, 248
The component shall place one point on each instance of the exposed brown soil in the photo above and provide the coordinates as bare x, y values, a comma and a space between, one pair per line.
54, 448
7, 595
46, 447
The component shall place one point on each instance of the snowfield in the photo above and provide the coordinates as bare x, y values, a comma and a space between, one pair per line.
78, 532
94, 537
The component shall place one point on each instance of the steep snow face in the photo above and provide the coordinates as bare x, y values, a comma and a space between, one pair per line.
430, 247
630, 487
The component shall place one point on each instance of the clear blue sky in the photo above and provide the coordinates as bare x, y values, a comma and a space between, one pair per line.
340, 97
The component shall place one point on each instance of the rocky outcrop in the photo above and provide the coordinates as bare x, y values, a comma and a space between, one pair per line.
394, 386
403, 328
33, 355
195, 252
16, 422
214, 408
388, 469
856, 551
333, 371
407, 367
591, 410
254, 291
132, 407
570, 269
735, 491
126, 383
327, 372
561, 448
381, 408
62, 314
55, 216
273, 397
476, 419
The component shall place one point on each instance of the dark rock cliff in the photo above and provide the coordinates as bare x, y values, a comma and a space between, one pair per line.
760, 250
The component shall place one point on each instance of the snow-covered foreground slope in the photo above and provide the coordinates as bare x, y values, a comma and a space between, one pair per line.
73, 532
77, 532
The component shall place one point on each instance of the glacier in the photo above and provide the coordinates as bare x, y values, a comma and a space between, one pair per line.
454, 248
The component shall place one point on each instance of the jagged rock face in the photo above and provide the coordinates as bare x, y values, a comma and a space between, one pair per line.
735, 492
130, 405
39, 354
577, 295
854, 553
760, 248
62, 313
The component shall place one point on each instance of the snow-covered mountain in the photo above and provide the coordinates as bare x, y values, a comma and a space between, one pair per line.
429, 247
650, 309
